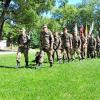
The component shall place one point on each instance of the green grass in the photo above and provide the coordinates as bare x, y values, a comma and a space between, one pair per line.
69, 81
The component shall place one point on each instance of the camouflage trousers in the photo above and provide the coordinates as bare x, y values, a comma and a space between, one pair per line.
91, 52
75, 51
83, 52
24, 51
49, 54
66, 53
98, 52
58, 54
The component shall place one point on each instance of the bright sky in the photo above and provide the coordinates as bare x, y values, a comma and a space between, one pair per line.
74, 1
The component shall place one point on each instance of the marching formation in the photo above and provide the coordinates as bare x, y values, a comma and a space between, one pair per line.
61, 45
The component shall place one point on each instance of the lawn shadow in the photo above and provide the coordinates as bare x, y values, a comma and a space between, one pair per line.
12, 67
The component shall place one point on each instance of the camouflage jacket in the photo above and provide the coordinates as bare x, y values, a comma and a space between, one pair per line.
91, 42
66, 40
76, 42
57, 42
23, 40
46, 40
97, 43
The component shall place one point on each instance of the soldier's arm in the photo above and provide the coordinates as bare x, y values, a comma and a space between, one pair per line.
95, 43
79, 42
40, 40
52, 40
60, 41
18, 40
70, 41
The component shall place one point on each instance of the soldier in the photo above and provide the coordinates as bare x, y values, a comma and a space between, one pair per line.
57, 47
66, 43
83, 45
46, 42
23, 47
91, 45
76, 45
98, 46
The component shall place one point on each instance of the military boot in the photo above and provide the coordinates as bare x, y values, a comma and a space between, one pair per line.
26, 64
51, 64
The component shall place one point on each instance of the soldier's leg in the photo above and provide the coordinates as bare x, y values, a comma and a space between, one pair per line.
54, 55
50, 53
59, 56
92, 52
18, 57
41, 57
85, 52
78, 53
67, 53
98, 53
82, 53
88, 52
73, 53
26, 56
64, 55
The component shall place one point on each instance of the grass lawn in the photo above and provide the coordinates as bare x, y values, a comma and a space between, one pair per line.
70, 81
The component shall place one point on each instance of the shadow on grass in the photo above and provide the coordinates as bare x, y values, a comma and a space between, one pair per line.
11, 67
31, 66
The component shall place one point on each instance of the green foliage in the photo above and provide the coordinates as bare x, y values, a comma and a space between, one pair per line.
29, 14
34, 39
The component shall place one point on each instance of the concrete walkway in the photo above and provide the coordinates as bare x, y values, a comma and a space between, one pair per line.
2, 52
7, 52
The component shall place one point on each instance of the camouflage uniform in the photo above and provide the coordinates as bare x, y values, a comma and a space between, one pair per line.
46, 42
23, 47
98, 46
57, 47
91, 43
83, 43
66, 45
76, 42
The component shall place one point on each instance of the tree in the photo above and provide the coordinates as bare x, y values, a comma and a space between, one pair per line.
66, 16
5, 5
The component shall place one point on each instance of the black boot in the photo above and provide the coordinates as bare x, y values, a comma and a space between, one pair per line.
51, 64
26, 63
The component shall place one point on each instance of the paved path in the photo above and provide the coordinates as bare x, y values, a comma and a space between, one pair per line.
7, 52
14, 52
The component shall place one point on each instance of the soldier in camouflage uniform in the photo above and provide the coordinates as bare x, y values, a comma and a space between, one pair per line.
83, 45
98, 46
76, 45
46, 42
23, 47
57, 47
66, 43
91, 45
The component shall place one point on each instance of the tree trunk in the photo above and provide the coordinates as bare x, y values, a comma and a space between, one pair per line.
5, 7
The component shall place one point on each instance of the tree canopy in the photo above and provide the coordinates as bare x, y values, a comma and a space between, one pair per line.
15, 14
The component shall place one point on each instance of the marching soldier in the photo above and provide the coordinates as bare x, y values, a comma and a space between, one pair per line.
98, 46
66, 43
76, 45
23, 47
57, 47
91, 45
46, 42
